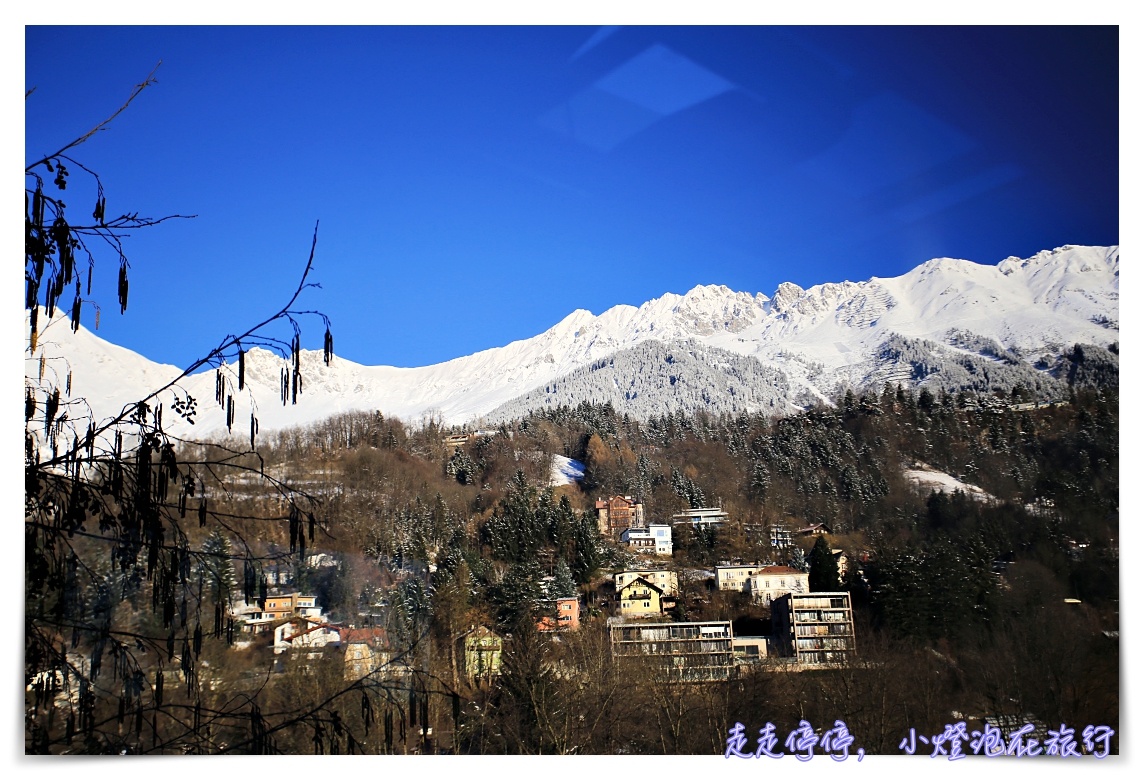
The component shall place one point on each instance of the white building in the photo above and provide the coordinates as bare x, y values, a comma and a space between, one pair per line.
771, 582
656, 538
735, 577
305, 632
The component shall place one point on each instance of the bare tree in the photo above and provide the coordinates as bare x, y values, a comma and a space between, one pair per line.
126, 641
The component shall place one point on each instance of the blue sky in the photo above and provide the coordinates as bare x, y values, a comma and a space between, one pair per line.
474, 185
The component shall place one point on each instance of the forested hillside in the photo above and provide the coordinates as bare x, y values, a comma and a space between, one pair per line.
960, 601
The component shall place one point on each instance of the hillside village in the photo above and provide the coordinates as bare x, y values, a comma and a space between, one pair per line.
810, 628
718, 566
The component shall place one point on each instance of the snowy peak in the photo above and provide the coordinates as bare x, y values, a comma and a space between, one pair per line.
797, 344
707, 310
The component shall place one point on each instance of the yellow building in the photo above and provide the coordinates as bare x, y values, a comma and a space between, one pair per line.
640, 598
479, 652
667, 581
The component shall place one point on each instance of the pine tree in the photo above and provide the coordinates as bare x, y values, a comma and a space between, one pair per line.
760, 480
823, 567
218, 568
586, 537
563, 585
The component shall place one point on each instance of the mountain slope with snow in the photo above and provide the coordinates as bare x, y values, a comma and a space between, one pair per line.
800, 344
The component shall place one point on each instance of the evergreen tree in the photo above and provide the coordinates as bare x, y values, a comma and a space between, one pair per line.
516, 596
586, 538
218, 568
760, 480
823, 567
798, 559
563, 585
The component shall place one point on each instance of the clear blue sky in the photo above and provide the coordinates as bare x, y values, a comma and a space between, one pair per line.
475, 185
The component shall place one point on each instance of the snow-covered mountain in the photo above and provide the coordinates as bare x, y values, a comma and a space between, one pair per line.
949, 323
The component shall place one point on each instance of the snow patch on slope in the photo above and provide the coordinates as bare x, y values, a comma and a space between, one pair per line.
928, 478
565, 471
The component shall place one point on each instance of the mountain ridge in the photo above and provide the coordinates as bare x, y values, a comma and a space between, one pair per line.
821, 338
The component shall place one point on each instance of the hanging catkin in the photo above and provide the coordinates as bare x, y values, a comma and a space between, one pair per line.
123, 286
75, 310
241, 368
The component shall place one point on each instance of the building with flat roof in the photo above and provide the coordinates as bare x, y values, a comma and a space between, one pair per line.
735, 576
817, 629
699, 651
700, 516
781, 536
655, 539
567, 617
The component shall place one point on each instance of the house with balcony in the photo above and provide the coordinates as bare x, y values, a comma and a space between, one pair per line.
655, 539
700, 651
640, 598
816, 629
266, 614
667, 581
815, 529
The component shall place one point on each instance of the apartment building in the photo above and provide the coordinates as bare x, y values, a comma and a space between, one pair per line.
690, 652
700, 516
817, 629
